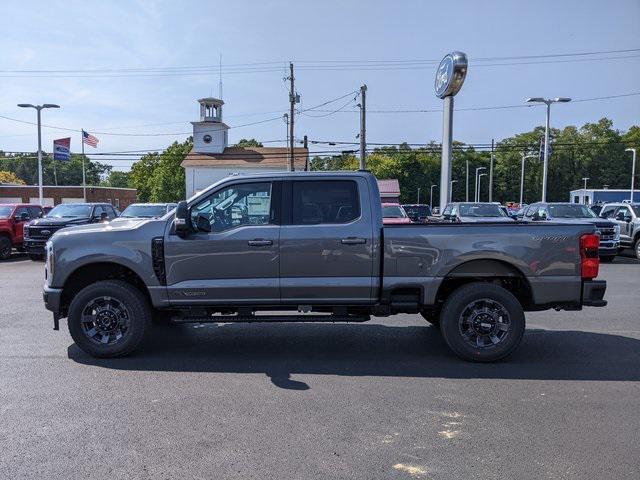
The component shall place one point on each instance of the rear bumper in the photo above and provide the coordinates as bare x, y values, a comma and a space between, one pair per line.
593, 293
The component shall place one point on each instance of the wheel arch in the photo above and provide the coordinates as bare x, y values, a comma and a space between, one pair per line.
90, 273
487, 270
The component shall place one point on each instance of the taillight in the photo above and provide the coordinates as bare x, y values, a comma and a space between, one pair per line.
590, 261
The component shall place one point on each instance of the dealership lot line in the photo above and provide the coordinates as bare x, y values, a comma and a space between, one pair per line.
383, 399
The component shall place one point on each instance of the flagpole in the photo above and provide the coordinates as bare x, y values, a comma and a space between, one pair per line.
84, 183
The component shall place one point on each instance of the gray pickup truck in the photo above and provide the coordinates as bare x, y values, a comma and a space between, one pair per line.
312, 247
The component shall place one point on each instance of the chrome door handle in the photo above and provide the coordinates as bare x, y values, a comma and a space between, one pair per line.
258, 242
353, 241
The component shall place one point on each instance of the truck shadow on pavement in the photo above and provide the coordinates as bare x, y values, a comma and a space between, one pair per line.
282, 350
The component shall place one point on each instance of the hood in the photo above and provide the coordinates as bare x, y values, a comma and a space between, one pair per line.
487, 219
122, 225
58, 222
598, 222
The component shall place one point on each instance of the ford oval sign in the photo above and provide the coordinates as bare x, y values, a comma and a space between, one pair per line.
450, 74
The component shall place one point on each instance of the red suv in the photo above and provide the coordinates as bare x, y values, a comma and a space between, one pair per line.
13, 217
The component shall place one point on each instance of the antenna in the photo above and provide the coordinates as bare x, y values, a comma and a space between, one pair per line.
220, 78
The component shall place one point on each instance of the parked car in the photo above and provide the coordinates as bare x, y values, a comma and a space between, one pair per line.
394, 214
627, 217
418, 212
145, 210
38, 231
474, 212
564, 212
315, 243
13, 218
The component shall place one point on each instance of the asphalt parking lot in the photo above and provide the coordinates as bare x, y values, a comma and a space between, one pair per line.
383, 399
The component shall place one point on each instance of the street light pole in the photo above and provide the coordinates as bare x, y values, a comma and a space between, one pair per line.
476, 183
480, 184
39, 109
633, 169
584, 179
545, 167
418, 195
431, 197
451, 189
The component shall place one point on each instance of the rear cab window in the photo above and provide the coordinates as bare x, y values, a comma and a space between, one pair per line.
316, 202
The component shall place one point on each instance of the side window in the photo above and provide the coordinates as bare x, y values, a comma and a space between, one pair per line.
529, 212
35, 212
20, 211
454, 210
542, 212
608, 212
325, 201
237, 205
447, 210
624, 211
111, 212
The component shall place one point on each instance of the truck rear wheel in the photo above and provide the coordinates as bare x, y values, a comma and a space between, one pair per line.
636, 248
108, 318
5, 247
482, 322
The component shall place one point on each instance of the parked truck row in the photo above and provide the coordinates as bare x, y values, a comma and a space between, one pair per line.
314, 246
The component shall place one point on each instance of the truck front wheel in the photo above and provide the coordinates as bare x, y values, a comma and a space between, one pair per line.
482, 322
5, 247
108, 318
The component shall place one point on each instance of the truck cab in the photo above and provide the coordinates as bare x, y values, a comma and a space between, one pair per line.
627, 217
13, 218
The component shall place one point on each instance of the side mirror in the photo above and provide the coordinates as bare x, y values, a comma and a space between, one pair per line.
202, 223
181, 220
104, 217
24, 216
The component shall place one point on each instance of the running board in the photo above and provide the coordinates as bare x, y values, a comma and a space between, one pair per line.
270, 318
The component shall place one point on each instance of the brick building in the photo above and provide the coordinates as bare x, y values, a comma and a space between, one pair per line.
54, 195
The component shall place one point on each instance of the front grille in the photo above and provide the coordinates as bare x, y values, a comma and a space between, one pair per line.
41, 232
607, 234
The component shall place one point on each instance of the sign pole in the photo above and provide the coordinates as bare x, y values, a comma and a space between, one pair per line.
447, 152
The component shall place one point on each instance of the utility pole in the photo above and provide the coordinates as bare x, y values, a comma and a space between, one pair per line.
491, 171
584, 179
431, 197
466, 197
292, 102
418, 202
450, 194
363, 127
305, 145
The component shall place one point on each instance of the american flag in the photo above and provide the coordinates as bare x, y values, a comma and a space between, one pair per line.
89, 139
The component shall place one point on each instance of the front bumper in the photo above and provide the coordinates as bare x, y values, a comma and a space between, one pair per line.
34, 246
608, 248
52, 299
593, 293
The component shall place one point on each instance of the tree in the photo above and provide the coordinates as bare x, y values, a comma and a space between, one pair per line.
10, 177
117, 179
25, 166
160, 177
248, 143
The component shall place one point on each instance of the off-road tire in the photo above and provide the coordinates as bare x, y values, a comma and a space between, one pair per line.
455, 316
138, 315
5, 247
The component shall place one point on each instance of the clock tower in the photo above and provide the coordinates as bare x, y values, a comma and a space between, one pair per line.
210, 132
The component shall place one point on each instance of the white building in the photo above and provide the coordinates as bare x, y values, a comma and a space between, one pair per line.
211, 159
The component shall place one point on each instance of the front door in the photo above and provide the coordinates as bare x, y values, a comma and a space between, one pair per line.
624, 219
326, 251
238, 261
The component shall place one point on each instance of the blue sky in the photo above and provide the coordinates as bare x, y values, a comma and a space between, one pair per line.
118, 35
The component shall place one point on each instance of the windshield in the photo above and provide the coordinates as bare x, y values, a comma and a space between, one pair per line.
144, 211
481, 210
393, 211
421, 211
5, 212
571, 211
70, 211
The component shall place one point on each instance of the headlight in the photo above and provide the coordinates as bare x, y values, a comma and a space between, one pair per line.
616, 231
25, 231
49, 263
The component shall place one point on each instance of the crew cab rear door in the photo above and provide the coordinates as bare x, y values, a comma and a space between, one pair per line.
326, 251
